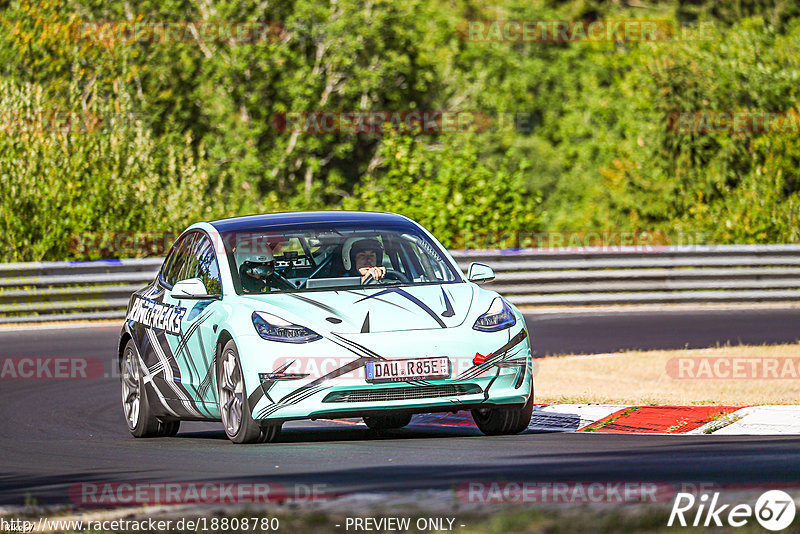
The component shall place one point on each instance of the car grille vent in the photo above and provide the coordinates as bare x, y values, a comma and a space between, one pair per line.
402, 393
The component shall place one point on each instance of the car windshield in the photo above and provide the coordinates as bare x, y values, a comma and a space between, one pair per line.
329, 258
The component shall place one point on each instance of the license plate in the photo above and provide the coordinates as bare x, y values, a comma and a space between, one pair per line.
410, 369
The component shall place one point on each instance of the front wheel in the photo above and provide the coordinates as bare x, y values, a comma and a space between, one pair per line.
503, 421
233, 405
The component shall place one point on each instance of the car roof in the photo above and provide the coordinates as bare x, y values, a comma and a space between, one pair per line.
308, 218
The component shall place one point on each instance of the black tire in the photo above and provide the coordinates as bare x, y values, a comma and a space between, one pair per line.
170, 428
387, 422
242, 428
503, 421
147, 425
270, 433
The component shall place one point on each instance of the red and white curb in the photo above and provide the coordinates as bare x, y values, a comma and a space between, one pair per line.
761, 420
632, 419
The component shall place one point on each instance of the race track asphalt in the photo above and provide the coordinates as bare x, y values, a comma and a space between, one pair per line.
56, 434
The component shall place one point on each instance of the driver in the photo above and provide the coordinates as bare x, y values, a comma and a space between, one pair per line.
255, 273
258, 275
364, 257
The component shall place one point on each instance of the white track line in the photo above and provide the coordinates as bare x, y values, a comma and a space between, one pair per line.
764, 421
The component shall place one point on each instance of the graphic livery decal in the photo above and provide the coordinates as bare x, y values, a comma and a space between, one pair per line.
448, 308
309, 389
498, 358
410, 297
156, 314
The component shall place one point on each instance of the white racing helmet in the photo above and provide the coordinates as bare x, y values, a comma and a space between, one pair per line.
354, 245
254, 257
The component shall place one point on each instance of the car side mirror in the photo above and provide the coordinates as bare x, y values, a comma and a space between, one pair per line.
480, 273
193, 288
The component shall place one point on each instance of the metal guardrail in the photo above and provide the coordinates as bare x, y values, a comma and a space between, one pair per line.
47, 291
68, 291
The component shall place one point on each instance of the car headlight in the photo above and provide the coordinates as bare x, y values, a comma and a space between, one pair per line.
498, 317
276, 329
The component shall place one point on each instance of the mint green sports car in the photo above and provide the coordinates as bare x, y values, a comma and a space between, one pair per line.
254, 321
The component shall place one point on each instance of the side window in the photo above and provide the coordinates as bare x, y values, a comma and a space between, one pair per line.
176, 263
203, 264
189, 269
170, 261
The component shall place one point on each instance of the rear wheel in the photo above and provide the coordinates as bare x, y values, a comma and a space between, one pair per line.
141, 421
501, 421
387, 422
240, 427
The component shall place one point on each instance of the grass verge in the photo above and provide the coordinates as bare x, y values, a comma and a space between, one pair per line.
651, 377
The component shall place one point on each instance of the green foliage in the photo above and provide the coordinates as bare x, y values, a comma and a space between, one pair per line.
732, 187
190, 130
447, 189
67, 172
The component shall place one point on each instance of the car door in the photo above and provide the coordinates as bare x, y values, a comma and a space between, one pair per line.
194, 346
157, 317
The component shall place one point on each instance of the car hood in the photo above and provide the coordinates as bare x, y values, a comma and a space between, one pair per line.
380, 309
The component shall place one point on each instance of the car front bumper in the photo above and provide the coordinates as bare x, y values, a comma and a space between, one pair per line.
334, 385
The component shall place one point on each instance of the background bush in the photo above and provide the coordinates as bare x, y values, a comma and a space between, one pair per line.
189, 129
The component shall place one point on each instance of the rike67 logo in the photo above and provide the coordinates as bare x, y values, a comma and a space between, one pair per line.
774, 510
